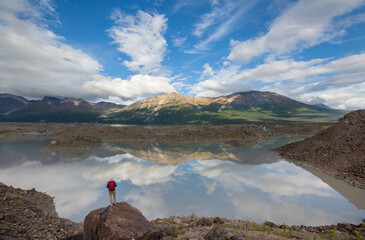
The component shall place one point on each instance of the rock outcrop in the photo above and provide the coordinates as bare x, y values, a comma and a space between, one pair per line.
338, 151
29, 214
120, 221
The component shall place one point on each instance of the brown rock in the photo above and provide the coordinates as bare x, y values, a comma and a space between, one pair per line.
121, 221
205, 221
218, 220
344, 227
10, 218
216, 233
271, 224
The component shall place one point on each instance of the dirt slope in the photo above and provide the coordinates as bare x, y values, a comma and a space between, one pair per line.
338, 151
29, 214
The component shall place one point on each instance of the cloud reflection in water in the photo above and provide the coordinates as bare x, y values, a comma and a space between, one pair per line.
278, 192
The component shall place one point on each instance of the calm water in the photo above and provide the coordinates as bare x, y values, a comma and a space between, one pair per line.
163, 180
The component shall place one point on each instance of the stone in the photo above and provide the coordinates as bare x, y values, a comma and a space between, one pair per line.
177, 220
118, 222
216, 233
344, 227
271, 224
218, 220
10, 218
237, 237
205, 221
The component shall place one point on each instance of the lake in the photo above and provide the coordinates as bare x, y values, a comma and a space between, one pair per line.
162, 180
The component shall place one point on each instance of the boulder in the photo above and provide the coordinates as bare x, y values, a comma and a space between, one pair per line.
205, 221
344, 227
218, 220
216, 233
118, 222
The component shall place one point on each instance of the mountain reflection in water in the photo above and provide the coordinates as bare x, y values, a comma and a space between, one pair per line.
207, 179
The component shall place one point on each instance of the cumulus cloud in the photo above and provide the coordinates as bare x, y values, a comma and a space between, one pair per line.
135, 86
149, 200
34, 61
302, 80
260, 209
304, 24
281, 180
208, 70
225, 81
141, 38
68, 201
87, 178
268, 192
127, 167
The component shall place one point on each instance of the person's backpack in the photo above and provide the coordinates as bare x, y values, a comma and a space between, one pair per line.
111, 186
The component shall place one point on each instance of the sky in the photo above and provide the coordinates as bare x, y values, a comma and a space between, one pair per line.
122, 50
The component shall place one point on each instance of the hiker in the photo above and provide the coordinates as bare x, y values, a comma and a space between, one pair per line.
111, 186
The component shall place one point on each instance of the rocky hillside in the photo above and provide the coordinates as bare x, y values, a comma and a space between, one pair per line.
10, 103
236, 100
244, 107
123, 221
173, 99
338, 150
28, 214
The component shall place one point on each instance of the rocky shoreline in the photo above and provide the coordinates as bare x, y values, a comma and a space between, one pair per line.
29, 214
338, 151
76, 139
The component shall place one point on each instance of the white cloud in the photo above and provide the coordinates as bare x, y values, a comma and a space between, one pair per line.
34, 61
225, 81
184, 4
127, 168
179, 41
218, 22
86, 178
149, 200
132, 88
67, 201
351, 97
304, 24
261, 210
141, 38
208, 70
301, 80
278, 182
210, 18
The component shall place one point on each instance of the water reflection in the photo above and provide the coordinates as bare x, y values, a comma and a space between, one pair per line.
255, 184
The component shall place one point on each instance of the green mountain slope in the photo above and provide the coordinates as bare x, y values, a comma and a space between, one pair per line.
247, 107
50, 109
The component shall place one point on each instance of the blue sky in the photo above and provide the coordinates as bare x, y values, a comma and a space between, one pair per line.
122, 51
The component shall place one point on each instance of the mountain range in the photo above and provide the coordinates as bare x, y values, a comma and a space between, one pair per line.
52, 109
169, 109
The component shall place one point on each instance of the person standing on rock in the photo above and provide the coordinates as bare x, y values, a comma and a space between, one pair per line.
111, 185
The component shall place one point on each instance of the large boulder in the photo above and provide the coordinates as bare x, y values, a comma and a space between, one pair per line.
118, 222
